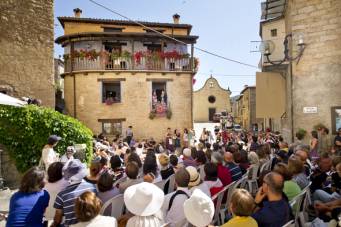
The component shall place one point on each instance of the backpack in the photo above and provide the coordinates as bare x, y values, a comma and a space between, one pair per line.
179, 192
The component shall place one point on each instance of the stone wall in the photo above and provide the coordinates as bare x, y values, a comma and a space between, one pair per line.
201, 104
26, 47
8, 171
135, 105
317, 77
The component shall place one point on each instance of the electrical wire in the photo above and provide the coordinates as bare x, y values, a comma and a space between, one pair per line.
225, 75
172, 38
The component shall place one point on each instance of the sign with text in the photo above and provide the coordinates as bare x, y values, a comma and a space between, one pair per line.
310, 109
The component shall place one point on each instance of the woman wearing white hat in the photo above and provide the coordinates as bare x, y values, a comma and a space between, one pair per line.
199, 209
144, 200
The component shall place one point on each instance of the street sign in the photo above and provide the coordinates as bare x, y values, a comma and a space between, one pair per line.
310, 109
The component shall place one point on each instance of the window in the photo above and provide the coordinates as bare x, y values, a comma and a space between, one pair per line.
151, 31
112, 128
113, 29
111, 92
159, 97
273, 32
153, 47
211, 99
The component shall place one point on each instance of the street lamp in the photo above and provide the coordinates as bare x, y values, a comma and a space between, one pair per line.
300, 44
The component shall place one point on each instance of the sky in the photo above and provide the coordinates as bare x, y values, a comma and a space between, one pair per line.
225, 27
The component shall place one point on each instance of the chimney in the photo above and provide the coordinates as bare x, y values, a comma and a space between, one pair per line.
78, 12
176, 18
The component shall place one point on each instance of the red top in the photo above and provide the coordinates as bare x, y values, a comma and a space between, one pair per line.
224, 175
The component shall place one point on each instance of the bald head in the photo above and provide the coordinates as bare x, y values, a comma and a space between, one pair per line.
275, 183
228, 157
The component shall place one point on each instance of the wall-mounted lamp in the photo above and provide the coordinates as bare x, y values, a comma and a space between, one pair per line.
300, 44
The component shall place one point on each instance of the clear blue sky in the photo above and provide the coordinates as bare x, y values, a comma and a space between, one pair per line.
225, 27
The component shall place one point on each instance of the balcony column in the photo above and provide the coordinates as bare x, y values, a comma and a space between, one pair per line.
132, 54
192, 57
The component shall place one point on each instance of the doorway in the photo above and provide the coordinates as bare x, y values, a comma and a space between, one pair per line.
211, 112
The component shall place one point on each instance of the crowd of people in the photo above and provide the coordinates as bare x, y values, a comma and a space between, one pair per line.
65, 192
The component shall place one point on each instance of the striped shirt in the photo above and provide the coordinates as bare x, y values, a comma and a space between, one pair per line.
235, 171
65, 200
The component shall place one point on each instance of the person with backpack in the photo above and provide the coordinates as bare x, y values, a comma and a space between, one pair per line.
173, 204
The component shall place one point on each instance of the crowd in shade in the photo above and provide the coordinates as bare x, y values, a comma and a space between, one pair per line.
228, 179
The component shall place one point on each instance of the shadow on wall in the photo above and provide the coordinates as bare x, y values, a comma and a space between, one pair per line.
8, 171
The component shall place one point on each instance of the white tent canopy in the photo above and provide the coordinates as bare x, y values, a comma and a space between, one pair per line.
8, 100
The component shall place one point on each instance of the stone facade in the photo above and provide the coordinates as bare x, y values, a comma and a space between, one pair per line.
135, 106
26, 47
202, 104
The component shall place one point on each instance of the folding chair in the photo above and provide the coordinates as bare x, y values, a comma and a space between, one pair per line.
297, 202
117, 207
251, 184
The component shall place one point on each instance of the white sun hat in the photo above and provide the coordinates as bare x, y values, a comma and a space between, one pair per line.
199, 209
143, 199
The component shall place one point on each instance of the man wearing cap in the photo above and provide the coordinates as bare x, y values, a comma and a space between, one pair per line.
74, 171
48, 155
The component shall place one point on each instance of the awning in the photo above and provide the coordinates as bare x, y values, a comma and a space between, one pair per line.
270, 95
8, 100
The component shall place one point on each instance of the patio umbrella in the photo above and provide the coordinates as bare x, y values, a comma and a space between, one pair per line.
8, 100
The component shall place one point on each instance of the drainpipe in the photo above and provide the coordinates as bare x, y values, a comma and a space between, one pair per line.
292, 103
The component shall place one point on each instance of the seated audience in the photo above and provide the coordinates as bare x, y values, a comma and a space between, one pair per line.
150, 170
172, 208
174, 161
296, 167
95, 169
254, 164
320, 174
223, 172
188, 160
74, 172
241, 206
87, 208
235, 170
144, 201
166, 170
211, 178
55, 183
116, 166
275, 210
106, 191
195, 181
302, 151
291, 188
199, 209
27, 206
132, 172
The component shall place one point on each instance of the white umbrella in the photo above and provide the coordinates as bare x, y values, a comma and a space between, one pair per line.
8, 100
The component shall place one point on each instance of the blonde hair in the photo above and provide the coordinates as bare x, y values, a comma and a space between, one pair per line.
242, 203
87, 206
163, 159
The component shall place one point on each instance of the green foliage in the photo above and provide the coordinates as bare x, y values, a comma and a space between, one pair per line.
24, 132
301, 133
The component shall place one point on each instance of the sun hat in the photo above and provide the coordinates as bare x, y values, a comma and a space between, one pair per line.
199, 209
53, 139
143, 199
187, 152
74, 169
194, 176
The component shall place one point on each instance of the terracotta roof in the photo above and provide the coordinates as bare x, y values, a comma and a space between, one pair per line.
62, 20
186, 38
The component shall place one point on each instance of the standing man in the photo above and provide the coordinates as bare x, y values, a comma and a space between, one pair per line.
48, 155
337, 143
129, 134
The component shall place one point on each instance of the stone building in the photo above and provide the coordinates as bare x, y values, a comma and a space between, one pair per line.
26, 47
119, 74
59, 84
308, 72
210, 99
235, 108
246, 109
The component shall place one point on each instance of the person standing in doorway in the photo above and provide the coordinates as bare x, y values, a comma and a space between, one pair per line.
48, 155
129, 134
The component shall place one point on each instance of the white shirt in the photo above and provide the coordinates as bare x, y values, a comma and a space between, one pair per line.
203, 187
99, 220
176, 213
214, 184
147, 221
53, 189
64, 159
48, 156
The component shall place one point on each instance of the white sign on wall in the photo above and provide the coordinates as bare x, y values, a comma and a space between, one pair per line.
310, 109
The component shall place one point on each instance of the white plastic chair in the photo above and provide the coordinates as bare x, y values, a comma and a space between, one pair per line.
201, 172
122, 179
117, 207
251, 183
265, 166
218, 199
289, 224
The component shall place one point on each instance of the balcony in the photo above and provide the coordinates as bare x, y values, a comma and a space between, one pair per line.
139, 61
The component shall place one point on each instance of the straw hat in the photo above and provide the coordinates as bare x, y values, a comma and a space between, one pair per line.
199, 209
194, 179
143, 199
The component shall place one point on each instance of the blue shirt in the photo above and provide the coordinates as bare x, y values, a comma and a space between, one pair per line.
273, 214
65, 200
27, 209
236, 172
